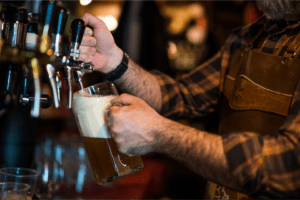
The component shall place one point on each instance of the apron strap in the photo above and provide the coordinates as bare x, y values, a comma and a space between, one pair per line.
285, 40
253, 40
293, 48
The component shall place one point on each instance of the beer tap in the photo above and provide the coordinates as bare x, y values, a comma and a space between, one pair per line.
85, 67
72, 63
51, 72
59, 25
21, 42
32, 95
58, 84
67, 73
14, 26
27, 55
77, 28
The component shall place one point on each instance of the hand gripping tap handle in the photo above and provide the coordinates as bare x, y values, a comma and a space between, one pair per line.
77, 28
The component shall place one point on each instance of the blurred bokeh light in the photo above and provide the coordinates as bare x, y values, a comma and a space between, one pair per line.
85, 2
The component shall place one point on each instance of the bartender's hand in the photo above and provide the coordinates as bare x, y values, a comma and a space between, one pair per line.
98, 45
134, 126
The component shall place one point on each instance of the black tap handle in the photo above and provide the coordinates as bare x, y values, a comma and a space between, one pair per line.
60, 21
77, 28
12, 14
46, 101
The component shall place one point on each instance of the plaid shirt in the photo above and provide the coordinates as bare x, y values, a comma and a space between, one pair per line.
264, 166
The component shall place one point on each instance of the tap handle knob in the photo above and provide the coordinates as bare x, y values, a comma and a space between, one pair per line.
60, 21
59, 26
77, 28
46, 101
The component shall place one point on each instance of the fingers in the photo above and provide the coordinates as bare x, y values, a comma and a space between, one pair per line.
123, 99
88, 31
111, 123
87, 50
86, 57
88, 41
92, 21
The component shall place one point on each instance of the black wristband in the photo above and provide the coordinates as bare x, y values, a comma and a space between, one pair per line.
119, 71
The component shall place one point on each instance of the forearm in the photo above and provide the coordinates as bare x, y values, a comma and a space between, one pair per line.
200, 151
138, 82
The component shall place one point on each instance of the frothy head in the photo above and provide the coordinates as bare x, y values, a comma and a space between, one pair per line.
83, 101
90, 114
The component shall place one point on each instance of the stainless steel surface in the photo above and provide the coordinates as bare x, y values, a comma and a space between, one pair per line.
44, 51
68, 78
13, 33
74, 52
50, 69
78, 74
57, 44
58, 84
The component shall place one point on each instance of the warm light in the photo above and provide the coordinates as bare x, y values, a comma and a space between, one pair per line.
44, 43
181, 16
196, 35
172, 50
85, 2
49, 52
110, 21
35, 67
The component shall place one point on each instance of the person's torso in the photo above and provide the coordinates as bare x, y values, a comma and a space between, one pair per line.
257, 93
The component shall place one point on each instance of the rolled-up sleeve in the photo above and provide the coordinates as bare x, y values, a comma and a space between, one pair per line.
194, 94
268, 166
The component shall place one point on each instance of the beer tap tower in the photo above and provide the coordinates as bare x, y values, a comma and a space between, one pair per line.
26, 54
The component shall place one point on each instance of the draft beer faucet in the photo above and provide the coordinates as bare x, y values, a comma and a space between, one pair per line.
31, 52
78, 68
69, 65
27, 54
60, 21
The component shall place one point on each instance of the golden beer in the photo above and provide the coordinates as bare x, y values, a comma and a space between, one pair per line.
107, 162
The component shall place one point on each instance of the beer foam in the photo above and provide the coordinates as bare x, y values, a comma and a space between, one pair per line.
90, 112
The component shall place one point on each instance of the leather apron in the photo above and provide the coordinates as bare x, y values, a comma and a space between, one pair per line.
256, 97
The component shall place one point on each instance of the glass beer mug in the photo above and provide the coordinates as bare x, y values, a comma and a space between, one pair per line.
89, 107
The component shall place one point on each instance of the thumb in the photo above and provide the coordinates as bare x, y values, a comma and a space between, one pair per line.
123, 99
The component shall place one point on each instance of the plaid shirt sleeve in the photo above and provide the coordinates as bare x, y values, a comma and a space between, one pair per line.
265, 166
194, 94
268, 166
